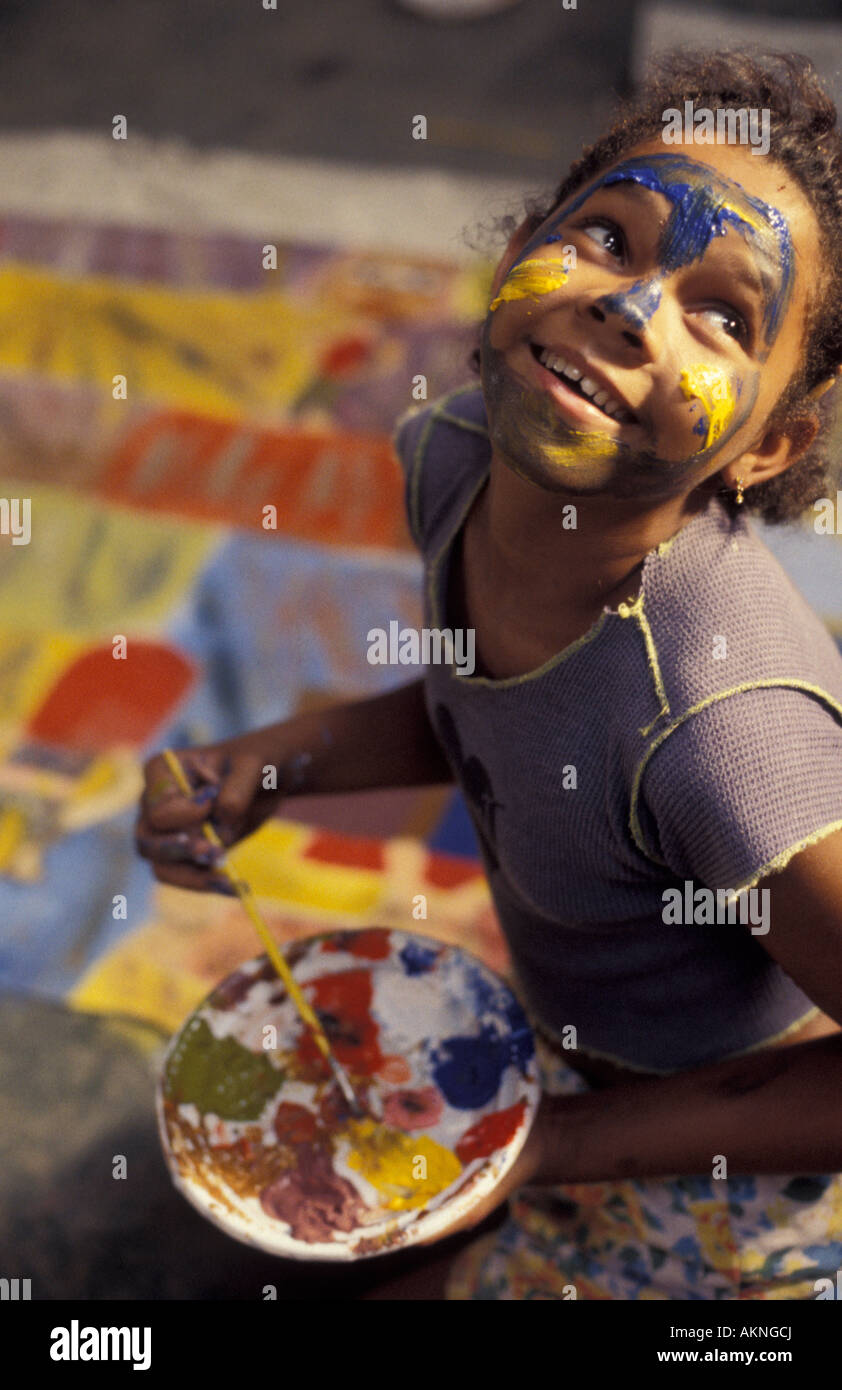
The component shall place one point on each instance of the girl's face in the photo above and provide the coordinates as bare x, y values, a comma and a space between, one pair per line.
655, 356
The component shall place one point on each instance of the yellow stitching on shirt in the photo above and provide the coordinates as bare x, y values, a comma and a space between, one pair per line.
557, 1049
463, 424
785, 681
437, 412
781, 860
775, 1037
635, 610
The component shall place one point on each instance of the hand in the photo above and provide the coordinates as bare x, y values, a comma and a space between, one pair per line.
227, 779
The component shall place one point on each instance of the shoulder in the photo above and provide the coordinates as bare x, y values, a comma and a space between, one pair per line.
737, 787
441, 448
725, 615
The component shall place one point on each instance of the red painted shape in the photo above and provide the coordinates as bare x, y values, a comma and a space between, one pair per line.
490, 1133
351, 851
99, 701
294, 1124
369, 945
342, 1003
450, 870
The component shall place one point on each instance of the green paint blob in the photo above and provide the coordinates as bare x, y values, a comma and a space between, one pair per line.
219, 1076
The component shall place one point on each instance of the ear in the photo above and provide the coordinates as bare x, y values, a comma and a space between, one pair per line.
517, 241
778, 450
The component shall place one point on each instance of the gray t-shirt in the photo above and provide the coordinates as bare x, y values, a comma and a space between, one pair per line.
649, 756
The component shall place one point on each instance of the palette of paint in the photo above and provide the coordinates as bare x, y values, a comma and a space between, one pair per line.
256, 1132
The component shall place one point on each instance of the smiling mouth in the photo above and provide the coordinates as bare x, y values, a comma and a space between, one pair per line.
582, 385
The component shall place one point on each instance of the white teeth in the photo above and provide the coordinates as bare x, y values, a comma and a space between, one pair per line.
598, 396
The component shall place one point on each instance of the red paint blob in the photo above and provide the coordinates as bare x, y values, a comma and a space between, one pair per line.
294, 1124
490, 1133
342, 1003
370, 945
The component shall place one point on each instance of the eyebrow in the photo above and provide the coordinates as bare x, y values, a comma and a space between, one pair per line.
739, 267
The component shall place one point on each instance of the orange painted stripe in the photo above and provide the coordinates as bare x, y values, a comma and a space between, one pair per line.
334, 487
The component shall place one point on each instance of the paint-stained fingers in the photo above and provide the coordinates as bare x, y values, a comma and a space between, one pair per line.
164, 806
177, 847
195, 879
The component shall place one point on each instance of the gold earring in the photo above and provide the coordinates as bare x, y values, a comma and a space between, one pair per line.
739, 497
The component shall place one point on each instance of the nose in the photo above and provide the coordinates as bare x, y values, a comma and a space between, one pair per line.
634, 307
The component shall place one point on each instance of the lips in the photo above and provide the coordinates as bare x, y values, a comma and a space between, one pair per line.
589, 388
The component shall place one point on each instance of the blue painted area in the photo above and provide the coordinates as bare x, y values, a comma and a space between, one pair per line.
417, 959
271, 618
468, 1070
702, 208
52, 931
637, 304
266, 620
455, 832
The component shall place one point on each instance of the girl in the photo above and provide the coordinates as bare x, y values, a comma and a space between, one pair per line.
655, 712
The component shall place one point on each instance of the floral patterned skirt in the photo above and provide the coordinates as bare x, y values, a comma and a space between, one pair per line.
681, 1238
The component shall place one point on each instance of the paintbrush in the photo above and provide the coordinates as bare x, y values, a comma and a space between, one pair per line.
246, 897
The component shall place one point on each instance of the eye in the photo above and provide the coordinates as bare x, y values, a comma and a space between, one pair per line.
732, 323
608, 236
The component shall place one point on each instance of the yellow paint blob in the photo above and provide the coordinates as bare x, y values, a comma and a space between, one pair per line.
530, 280
711, 386
389, 1160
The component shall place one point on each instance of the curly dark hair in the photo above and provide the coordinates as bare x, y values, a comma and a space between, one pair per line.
804, 138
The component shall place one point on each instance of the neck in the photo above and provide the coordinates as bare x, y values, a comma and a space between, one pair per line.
527, 540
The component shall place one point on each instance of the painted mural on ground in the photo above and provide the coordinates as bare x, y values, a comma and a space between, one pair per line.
202, 431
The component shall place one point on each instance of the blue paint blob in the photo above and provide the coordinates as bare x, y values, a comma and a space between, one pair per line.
636, 305
555, 237
417, 959
468, 1070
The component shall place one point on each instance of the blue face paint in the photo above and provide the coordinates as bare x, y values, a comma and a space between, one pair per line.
704, 205
636, 305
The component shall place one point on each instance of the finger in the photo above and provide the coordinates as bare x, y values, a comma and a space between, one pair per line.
180, 847
177, 811
164, 802
197, 880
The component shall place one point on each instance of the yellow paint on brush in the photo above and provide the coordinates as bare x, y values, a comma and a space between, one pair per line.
711, 386
388, 1159
530, 280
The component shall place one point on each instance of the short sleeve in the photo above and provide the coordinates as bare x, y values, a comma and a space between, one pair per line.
407, 442
742, 785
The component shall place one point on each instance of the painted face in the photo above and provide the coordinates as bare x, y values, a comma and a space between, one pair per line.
636, 361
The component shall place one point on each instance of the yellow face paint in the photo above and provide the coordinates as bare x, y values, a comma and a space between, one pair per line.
711, 386
583, 448
388, 1159
530, 280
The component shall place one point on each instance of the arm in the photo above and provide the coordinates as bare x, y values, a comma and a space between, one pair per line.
385, 741
778, 1110
774, 1111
